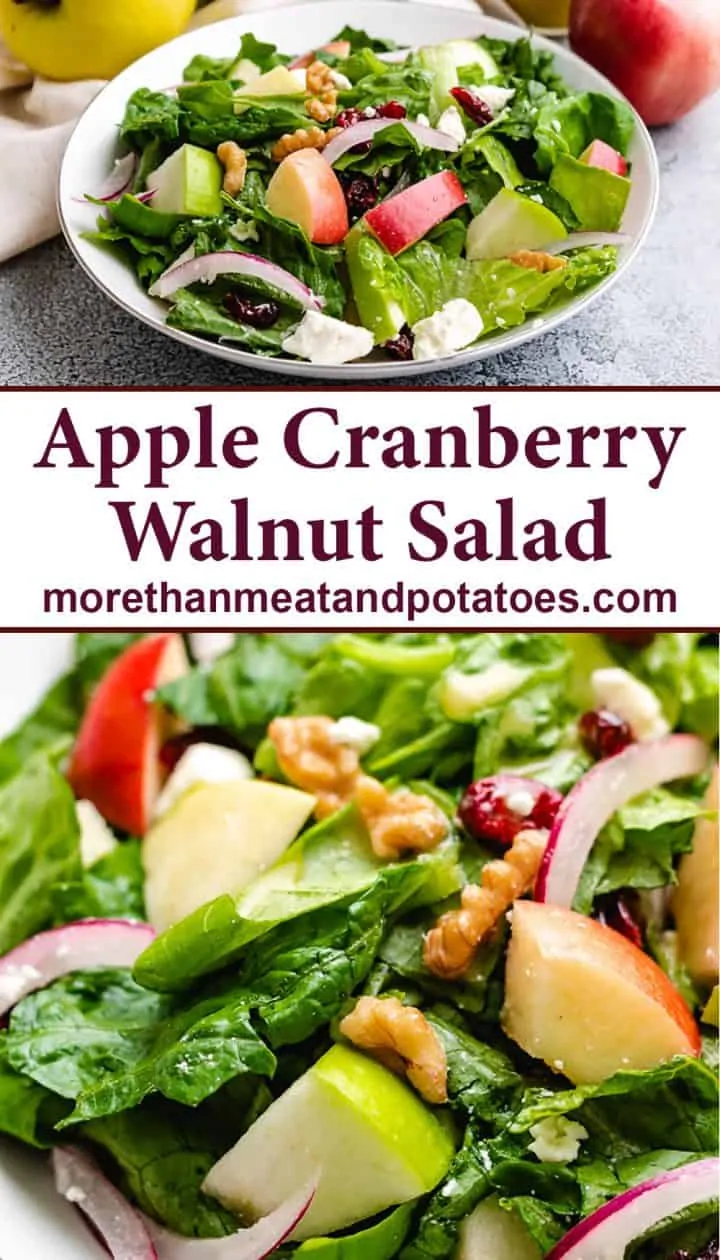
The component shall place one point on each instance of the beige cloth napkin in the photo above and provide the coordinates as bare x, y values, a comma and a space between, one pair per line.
36, 119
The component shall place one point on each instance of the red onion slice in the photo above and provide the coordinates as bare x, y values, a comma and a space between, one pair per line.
606, 1233
123, 1230
254, 1243
587, 240
598, 795
77, 947
366, 130
208, 267
119, 180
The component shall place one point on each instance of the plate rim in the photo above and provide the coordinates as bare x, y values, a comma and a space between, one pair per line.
533, 328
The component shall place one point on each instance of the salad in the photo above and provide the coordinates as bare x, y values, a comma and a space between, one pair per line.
366, 199
353, 947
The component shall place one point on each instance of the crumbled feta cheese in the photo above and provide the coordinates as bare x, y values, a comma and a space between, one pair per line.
353, 733
462, 695
456, 324
300, 77
340, 80
96, 838
520, 803
632, 700
74, 1194
202, 763
321, 339
206, 647
14, 983
423, 120
496, 98
557, 1140
245, 230
450, 121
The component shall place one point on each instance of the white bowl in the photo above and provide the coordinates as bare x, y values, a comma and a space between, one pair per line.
91, 152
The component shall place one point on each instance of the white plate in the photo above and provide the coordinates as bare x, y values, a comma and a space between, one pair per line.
91, 151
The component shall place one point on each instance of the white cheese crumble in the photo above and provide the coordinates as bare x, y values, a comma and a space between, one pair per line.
202, 763
557, 1140
462, 695
455, 325
520, 803
451, 123
245, 231
321, 339
340, 80
496, 98
74, 1194
14, 983
632, 700
206, 647
96, 838
353, 733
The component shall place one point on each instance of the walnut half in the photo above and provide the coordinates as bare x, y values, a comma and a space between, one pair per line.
403, 1040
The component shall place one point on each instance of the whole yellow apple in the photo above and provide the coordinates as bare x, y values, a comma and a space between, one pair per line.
88, 39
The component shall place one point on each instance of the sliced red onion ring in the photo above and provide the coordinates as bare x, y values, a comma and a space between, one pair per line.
120, 180
77, 947
605, 1234
254, 1243
586, 240
366, 130
123, 1230
208, 267
598, 795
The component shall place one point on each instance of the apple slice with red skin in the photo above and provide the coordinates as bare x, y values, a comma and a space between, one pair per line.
664, 55
407, 217
116, 760
586, 1001
337, 47
603, 155
306, 190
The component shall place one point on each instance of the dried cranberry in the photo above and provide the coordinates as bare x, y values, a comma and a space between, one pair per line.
615, 913
472, 105
631, 638
499, 807
392, 109
360, 194
604, 733
400, 347
247, 311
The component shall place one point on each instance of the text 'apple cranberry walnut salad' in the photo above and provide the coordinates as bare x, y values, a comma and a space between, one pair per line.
369, 946
361, 197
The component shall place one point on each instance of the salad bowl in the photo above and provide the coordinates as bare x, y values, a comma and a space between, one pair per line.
93, 149
204, 940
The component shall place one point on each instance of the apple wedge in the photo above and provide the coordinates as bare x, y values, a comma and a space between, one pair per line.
306, 190
695, 903
400, 221
493, 1233
216, 839
115, 763
601, 154
585, 1000
352, 1125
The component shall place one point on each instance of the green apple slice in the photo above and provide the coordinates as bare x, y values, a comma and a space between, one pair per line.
349, 1123
511, 222
492, 1233
216, 839
369, 266
276, 82
189, 182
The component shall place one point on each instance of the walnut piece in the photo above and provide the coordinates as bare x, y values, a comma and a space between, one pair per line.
451, 945
403, 1040
303, 138
398, 822
234, 160
537, 260
323, 93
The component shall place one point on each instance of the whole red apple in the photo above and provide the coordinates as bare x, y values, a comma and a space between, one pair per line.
664, 55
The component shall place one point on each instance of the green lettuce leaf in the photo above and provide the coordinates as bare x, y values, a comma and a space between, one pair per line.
570, 125
150, 116
28, 1111
39, 848
113, 888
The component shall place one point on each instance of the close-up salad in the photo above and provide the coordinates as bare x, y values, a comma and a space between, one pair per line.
362, 199
361, 946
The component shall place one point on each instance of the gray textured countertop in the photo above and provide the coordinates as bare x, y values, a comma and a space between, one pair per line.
660, 325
